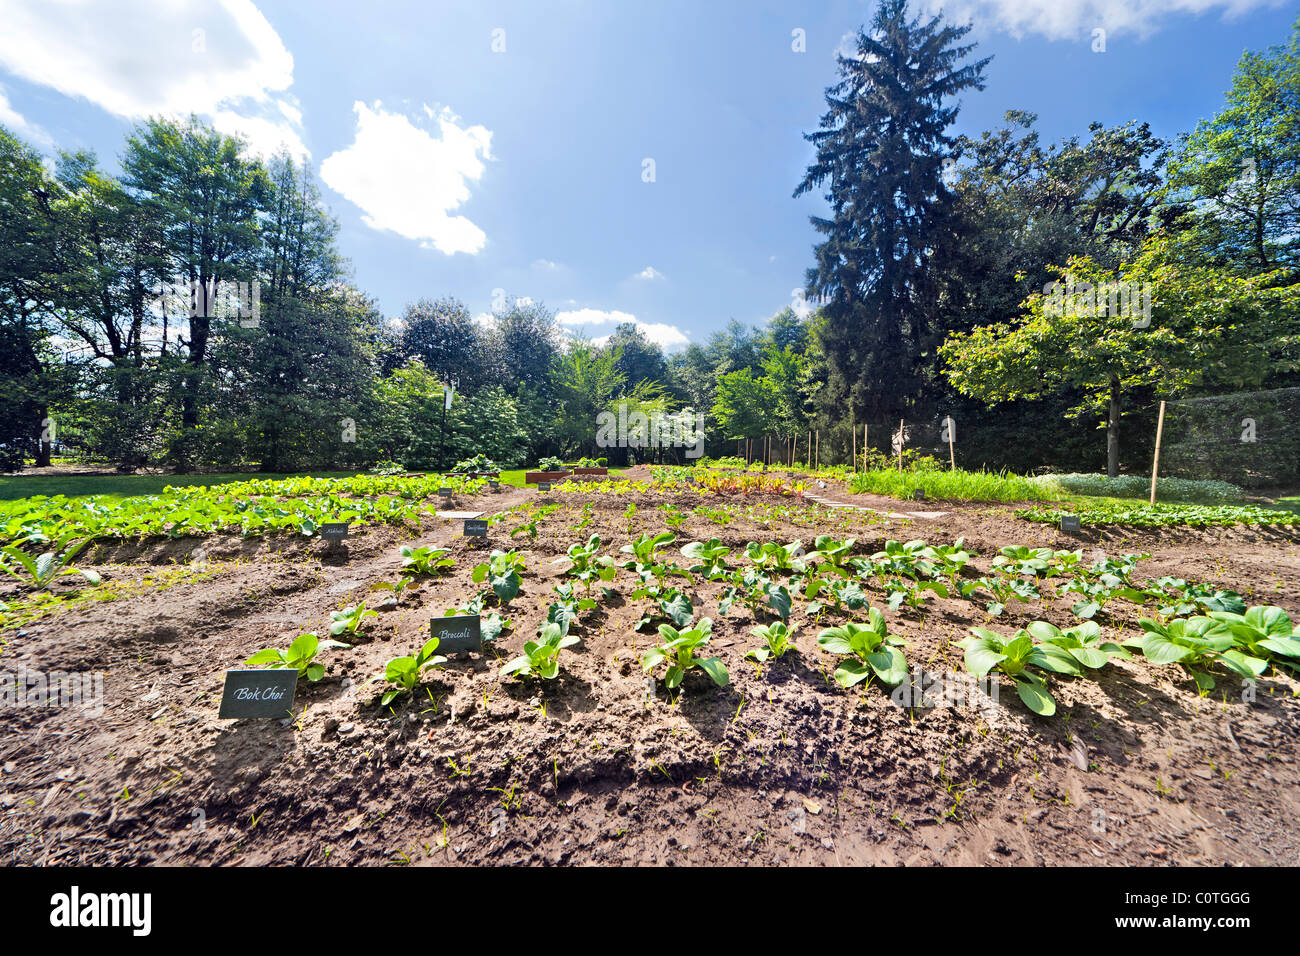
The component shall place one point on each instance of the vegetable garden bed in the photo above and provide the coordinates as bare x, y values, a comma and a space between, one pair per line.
805, 754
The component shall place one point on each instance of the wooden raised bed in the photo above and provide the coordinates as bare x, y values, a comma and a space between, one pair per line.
533, 477
591, 471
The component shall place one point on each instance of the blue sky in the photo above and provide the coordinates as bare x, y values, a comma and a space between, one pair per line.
481, 149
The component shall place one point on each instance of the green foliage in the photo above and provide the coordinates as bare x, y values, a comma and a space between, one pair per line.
874, 651
1165, 516
479, 463
348, 620
959, 485
502, 571
405, 672
680, 649
587, 565
424, 560
710, 557
1196, 490
1014, 656
43, 569
1196, 643
300, 656
778, 637
541, 658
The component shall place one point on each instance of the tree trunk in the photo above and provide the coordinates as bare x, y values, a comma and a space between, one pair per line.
1112, 431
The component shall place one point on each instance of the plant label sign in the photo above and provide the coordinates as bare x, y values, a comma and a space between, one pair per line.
266, 693
476, 528
543, 486
445, 492
1070, 523
457, 633
333, 532
494, 485
918, 494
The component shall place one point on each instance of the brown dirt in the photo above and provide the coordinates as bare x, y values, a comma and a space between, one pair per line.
783, 766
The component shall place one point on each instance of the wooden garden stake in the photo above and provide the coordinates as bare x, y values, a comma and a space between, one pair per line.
1155, 464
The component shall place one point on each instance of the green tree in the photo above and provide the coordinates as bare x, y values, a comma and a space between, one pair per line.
881, 149
1207, 328
443, 335
1240, 170
743, 405
207, 196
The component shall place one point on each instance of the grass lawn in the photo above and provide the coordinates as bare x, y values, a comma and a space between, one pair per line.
125, 486
516, 478
115, 487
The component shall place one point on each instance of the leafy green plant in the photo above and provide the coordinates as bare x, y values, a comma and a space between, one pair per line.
872, 648
405, 672
43, 569
424, 560
1083, 642
679, 651
1019, 559
541, 658
566, 611
1003, 589
348, 620
1013, 656
550, 464
1197, 644
778, 637
830, 553
710, 557
776, 557
1264, 631
912, 593
587, 565
1177, 598
502, 571
907, 559
300, 656
479, 463
757, 592
1163, 516
949, 560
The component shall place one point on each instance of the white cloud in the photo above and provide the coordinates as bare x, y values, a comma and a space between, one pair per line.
18, 124
408, 180
1070, 19
667, 336
265, 137
546, 265
649, 273
664, 335
136, 58
592, 317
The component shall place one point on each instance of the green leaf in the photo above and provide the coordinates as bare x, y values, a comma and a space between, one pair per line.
1036, 698
713, 667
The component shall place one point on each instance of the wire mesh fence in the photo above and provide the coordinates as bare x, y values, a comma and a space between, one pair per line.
1251, 439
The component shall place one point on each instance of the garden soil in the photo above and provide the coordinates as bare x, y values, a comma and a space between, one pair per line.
602, 765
